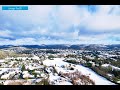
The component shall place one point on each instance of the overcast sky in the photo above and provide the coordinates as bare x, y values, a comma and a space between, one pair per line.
61, 24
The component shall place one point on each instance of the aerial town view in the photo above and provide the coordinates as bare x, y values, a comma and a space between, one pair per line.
60, 45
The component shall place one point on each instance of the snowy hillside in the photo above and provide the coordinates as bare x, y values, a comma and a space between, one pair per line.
58, 62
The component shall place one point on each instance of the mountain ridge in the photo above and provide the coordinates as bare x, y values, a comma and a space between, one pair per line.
67, 46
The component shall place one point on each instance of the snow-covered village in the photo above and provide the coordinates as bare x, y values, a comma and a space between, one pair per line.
60, 44
27, 66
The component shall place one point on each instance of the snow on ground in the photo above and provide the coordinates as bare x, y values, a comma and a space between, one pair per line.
99, 80
56, 61
6, 76
2, 61
63, 70
114, 67
117, 68
58, 80
35, 57
118, 81
105, 65
6, 69
52, 77
64, 83
32, 81
33, 67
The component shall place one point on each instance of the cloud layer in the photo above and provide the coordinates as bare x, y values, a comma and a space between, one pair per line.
61, 24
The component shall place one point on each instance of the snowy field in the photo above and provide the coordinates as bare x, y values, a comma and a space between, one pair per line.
99, 80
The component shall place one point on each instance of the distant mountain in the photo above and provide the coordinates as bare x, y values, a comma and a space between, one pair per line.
5, 46
64, 46
95, 47
14, 48
47, 46
114, 46
76, 47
